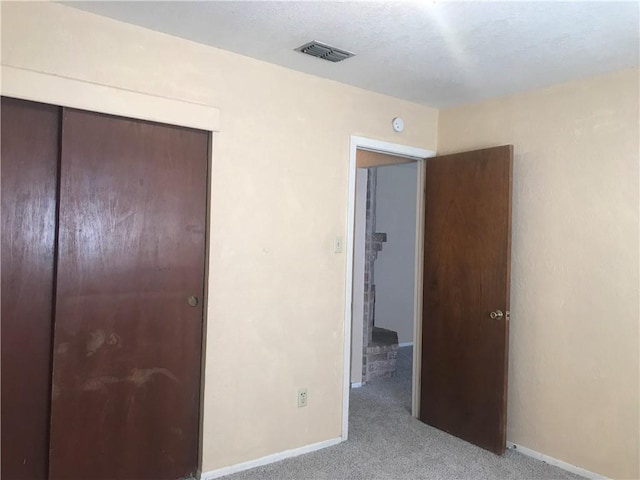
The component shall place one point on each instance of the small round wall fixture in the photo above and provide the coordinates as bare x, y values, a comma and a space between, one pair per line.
398, 124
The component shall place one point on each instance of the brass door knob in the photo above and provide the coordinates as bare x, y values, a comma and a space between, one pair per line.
497, 314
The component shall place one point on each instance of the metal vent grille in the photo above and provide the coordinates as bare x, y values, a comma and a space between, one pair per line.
324, 51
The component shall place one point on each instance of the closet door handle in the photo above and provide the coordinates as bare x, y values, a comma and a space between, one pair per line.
192, 301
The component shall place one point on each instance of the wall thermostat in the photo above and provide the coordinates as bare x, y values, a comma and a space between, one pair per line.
398, 124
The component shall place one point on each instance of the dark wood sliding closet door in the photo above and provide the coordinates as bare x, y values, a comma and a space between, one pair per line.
127, 347
30, 147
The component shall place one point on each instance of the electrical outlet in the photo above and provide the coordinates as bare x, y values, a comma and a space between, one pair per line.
303, 397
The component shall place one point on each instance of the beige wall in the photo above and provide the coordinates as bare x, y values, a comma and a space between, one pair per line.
573, 380
279, 198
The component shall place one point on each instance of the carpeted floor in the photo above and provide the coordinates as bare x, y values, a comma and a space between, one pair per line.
385, 442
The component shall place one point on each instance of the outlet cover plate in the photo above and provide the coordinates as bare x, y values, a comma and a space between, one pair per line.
303, 397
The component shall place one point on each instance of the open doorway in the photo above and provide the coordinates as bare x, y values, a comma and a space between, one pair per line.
384, 279
384, 270
467, 227
383, 300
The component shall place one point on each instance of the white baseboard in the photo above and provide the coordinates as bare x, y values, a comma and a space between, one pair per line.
555, 462
405, 344
356, 384
258, 462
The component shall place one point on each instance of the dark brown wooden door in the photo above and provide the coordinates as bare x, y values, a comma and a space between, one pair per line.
127, 347
467, 249
30, 147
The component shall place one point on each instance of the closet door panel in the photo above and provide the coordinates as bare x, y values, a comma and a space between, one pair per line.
30, 148
127, 352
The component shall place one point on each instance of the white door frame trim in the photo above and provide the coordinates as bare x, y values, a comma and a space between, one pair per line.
26, 84
396, 149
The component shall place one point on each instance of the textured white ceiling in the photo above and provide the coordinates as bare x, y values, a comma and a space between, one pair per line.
434, 53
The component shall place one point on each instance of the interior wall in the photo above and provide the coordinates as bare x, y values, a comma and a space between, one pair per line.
395, 265
357, 309
275, 311
573, 380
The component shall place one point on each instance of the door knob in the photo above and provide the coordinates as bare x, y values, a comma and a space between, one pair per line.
496, 314
192, 301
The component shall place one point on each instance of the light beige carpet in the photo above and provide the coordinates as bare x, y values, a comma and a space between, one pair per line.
385, 442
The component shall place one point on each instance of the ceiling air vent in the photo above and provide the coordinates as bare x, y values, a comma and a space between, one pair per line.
324, 51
